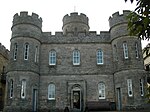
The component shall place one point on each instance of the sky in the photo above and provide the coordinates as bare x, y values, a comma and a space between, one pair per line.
53, 11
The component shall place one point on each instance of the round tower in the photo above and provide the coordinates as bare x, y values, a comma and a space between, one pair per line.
129, 74
23, 69
75, 23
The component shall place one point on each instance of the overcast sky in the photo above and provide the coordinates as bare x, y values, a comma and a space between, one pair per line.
52, 12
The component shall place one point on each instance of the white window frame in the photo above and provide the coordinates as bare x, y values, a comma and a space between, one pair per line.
26, 51
52, 57
141, 87
130, 89
101, 90
51, 92
15, 51
100, 59
36, 54
23, 88
11, 89
76, 57
125, 50
136, 51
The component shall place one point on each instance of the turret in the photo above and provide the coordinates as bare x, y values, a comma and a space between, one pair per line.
75, 23
26, 25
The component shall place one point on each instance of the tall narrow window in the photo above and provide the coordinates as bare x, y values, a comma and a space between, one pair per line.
125, 50
52, 57
26, 51
11, 90
141, 87
36, 54
15, 51
115, 53
136, 51
130, 91
101, 89
99, 57
23, 88
51, 92
76, 57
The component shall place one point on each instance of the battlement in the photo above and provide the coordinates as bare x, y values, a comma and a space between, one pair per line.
24, 18
4, 51
75, 17
118, 18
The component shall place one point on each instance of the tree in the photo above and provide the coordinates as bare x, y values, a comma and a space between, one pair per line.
139, 19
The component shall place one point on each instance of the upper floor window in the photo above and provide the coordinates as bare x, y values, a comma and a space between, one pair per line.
130, 91
51, 91
76, 57
125, 50
23, 88
36, 54
115, 53
26, 51
11, 88
101, 90
15, 51
100, 57
141, 87
136, 51
52, 57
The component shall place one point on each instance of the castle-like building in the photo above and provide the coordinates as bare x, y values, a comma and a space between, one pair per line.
73, 67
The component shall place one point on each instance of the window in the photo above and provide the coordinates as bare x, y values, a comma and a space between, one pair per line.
101, 89
26, 51
99, 57
23, 88
36, 54
115, 53
15, 51
130, 91
125, 50
76, 57
52, 57
51, 92
11, 88
141, 87
136, 51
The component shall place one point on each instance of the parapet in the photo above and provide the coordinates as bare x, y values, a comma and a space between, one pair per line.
24, 18
3, 51
75, 17
118, 18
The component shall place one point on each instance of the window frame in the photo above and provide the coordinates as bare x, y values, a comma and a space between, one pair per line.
100, 57
130, 87
26, 51
76, 57
52, 57
11, 88
101, 90
51, 91
141, 87
15, 51
23, 88
125, 50
136, 50
36, 58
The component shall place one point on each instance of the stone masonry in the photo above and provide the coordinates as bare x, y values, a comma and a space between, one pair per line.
70, 82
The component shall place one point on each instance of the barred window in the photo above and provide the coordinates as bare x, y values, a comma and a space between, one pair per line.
26, 51
23, 88
11, 89
15, 51
125, 50
141, 87
130, 91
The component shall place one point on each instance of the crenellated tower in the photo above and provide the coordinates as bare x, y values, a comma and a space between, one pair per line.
75, 23
23, 69
128, 62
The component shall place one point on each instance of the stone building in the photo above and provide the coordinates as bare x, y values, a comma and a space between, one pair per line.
73, 67
4, 58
